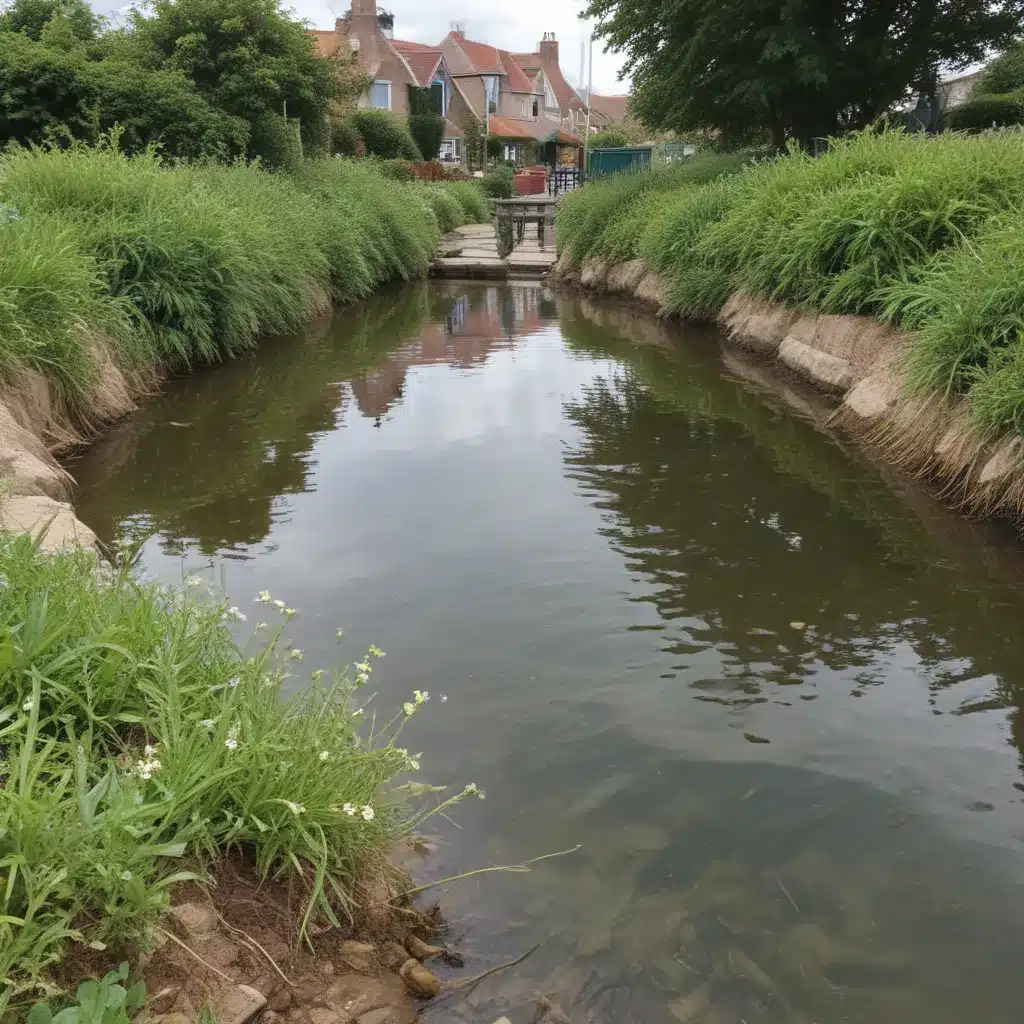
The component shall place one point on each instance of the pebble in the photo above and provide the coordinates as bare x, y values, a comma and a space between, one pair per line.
195, 918
238, 1005
421, 950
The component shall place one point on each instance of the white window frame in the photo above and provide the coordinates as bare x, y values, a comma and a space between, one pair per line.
451, 151
524, 106
373, 85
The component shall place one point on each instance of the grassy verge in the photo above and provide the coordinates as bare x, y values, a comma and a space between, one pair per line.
170, 267
138, 742
921, 231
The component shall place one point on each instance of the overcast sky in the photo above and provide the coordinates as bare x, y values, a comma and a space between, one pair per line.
515, 25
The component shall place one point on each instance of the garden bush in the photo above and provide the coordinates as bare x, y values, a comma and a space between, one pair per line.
498, 182
385, 134
987, 111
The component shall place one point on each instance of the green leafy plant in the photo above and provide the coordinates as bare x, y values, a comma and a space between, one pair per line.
96, 1002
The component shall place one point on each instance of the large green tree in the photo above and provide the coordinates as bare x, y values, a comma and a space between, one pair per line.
247, 57
793, 69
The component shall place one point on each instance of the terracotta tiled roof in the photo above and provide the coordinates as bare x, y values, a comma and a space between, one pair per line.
483, 59
480, 58
615, 108
518, 81
568, 98
422, 60
530, 131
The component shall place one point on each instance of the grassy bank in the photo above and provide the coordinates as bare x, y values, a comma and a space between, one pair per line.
921, 231
140, 742
166, 268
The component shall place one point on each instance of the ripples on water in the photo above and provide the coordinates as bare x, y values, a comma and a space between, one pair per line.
773, 689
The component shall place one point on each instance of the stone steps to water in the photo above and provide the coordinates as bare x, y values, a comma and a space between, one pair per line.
472, 252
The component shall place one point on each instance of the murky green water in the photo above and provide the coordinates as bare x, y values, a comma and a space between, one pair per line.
773, 690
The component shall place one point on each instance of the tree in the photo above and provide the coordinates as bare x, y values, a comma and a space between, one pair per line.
1006, 73
426, 125
30, 17
248, 58
792, 70
43, 93
610, 138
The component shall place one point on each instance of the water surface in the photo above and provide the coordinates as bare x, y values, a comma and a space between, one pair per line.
772, 688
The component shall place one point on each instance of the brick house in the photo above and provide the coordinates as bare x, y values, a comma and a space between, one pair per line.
393, 66
507, 101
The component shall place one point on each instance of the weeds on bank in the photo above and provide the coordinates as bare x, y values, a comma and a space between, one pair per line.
174, 266
922, 231
138, 742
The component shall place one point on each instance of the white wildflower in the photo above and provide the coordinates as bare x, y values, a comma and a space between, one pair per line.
263, 597
444, 698
232, 741
367, 812
350, 810
375, 651
260, 626
317, 674
208, 723
473, 790
324, 754
295, 808
363, 666
409, 709
290, 612
233, 615
233, 682
149, 751
340, 634
295, 654
126, 876
28, 705
357, 712
421, 696
362, 678
193, 581
278, 604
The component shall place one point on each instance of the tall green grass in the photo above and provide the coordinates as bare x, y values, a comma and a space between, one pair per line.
177, 266
921, 231
606, 219
138, 741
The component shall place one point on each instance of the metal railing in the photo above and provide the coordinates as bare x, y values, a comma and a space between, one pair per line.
564, 179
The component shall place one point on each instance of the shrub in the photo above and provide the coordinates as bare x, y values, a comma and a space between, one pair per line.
427, 131
982, 112
345, 138
498, 182
398, 169
610, 138
471, 198
446, 207
385, 134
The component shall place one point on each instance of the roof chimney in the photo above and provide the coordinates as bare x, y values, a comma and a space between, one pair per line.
548, 49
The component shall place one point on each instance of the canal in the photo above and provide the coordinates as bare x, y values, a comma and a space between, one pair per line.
771, 689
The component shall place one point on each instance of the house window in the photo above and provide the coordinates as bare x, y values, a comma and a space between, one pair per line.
550, 100
451, 151
514, 152
536, 108
524, 107
437, 96
380, 95
491, 89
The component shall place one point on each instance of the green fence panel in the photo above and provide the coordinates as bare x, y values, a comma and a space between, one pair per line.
613, 161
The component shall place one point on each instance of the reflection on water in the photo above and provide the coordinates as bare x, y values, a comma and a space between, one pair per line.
772, 689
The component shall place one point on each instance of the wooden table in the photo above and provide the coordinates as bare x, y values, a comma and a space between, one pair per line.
512, 216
